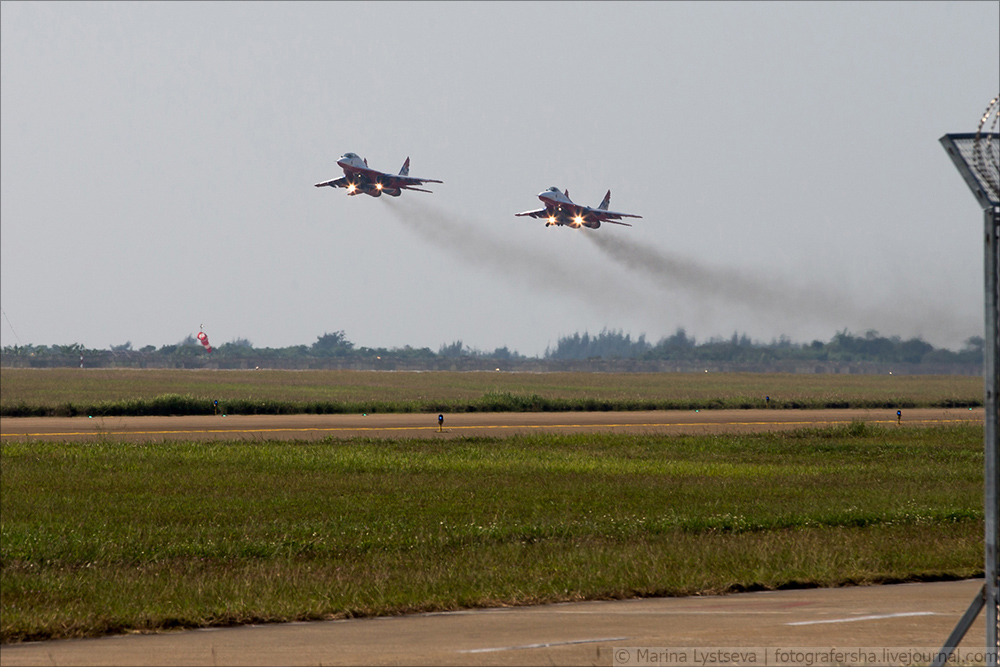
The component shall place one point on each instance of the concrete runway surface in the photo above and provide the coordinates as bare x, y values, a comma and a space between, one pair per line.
895, 618
315, 427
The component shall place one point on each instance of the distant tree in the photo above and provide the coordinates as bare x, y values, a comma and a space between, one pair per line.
876, 348
187, 349
941, 356
974, 344
20, 350
972, 351
605, 345
677, 346
913, 350
737, 348
293, 351
237, 346
452, 351
332, 345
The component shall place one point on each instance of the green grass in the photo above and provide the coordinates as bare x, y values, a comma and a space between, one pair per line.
108, 392
111, 537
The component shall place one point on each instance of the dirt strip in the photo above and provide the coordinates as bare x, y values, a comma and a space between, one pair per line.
315, 427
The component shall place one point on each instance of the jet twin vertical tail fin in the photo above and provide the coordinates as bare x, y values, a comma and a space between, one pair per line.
607, 201
405, 171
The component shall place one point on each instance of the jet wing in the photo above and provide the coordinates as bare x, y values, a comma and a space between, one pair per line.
390, 180
538, 213
397, 181
335, 183
386, 179
611, 216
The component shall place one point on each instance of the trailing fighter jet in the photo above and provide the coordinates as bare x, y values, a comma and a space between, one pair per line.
560, 210
359, 178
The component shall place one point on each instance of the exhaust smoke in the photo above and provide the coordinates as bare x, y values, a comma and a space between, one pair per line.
770, 302
792, 303
472, 244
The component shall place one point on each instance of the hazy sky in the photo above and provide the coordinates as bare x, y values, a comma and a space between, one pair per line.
158, 163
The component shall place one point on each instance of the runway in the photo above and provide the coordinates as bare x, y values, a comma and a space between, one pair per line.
317, 427
885, 621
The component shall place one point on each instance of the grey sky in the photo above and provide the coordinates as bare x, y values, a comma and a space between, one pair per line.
157, 163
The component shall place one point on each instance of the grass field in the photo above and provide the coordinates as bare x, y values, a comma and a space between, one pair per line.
111, 537
68, 392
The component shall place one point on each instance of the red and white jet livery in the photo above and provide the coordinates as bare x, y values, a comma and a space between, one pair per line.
358, 178
560, 210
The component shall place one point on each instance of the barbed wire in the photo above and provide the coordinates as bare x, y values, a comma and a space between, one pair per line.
986, 149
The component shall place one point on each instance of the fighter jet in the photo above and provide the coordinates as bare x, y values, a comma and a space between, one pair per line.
560, 210
358, 178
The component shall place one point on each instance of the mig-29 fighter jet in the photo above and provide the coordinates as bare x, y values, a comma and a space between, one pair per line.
358, 178
560, 210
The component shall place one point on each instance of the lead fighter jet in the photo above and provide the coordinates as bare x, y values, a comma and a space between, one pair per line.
560, 210
359, 178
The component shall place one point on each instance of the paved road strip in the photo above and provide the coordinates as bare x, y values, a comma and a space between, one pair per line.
335, 429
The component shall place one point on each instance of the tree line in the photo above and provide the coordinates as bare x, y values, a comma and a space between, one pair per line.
844, 346
609, 349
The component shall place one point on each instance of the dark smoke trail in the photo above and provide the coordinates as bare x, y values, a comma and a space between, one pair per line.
472, 244
686, 275
772, 296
